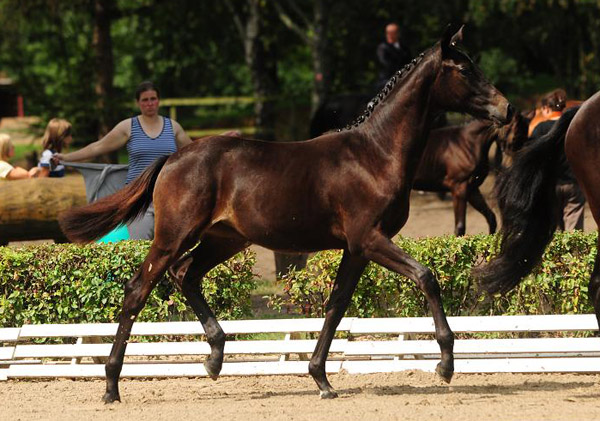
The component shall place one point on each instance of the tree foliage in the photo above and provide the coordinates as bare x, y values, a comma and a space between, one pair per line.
192, 48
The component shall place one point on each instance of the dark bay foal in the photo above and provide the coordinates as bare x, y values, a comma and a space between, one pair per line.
347, 190
456, 160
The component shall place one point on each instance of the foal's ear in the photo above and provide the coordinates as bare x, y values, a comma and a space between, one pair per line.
450, 38
457, 37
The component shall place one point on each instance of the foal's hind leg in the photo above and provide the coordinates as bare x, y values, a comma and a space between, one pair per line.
476, 200
189, 272
383, 251
137, 290
347, 277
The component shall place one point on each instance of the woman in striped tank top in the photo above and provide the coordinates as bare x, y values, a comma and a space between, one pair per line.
148, 136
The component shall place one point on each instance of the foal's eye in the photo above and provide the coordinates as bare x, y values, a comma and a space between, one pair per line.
464, 71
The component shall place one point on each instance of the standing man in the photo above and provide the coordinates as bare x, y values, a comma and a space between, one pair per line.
392, 54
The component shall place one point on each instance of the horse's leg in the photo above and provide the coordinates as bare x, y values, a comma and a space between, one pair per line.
383, 251
459, 202
189, 272
477, 200
347, 277
137, 290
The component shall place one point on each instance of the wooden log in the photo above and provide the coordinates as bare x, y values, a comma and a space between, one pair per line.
29, 208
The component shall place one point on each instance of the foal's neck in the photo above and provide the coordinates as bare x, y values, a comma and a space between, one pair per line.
400, 125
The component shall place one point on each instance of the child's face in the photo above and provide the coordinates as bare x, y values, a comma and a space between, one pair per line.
11, 151
67, 141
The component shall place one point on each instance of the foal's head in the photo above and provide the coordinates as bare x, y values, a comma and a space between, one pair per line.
514, 135
462, 87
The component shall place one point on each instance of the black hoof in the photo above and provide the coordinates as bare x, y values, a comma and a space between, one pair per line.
445, 374
328, 394
212, 369
111, 397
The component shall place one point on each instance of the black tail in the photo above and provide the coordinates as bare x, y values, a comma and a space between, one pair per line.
526, 197
87, 223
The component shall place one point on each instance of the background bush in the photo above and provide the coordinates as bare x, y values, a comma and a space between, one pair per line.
558, 285
68, 283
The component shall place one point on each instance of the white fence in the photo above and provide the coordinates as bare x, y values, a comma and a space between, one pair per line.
368, 346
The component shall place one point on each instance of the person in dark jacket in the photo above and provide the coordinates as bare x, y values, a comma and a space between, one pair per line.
392, 54
570, 198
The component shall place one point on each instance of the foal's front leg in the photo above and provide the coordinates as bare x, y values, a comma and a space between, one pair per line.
459, 203
477, 200
383, 251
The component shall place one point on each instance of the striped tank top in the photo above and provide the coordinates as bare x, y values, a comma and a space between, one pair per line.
144, 150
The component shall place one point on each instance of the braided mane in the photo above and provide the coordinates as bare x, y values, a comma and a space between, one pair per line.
384, 93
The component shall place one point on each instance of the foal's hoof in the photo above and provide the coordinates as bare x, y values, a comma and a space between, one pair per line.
445, 373
328, 394
212, 369
111, 397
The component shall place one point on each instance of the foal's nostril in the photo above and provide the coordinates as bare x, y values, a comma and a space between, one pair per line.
510, 111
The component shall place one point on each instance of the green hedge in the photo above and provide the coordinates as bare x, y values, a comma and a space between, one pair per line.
68, 283
558, 285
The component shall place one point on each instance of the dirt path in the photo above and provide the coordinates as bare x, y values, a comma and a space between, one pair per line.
399, 396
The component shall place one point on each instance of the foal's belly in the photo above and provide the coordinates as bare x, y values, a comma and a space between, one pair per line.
288, 236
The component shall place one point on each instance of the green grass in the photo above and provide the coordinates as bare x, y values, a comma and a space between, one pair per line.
21, 150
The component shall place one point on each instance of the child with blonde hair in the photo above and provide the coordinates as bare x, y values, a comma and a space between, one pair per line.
56, 136
7, 171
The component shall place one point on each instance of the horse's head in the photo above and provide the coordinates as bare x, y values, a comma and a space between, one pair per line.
512, 136
462, 87
515, 133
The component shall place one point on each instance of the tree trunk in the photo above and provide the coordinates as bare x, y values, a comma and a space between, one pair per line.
102, 45
283, 262
318, 48
29, 209
260, 58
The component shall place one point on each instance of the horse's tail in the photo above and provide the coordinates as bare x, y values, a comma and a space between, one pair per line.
526, 198
87, 223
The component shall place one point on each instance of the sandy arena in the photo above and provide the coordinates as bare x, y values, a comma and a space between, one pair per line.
398, 396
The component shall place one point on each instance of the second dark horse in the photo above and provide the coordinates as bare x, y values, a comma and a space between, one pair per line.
347, 190
456, 160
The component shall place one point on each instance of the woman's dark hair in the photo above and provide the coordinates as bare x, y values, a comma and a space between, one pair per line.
556, 100
145, 86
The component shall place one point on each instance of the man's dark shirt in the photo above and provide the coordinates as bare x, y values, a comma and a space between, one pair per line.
391, 59
564, 173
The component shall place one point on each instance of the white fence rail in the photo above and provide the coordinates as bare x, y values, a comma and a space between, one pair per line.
368, 346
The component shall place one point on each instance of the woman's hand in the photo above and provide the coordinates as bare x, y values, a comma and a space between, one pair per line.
56, 158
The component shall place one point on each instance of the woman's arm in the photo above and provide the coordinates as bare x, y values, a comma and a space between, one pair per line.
115, 139
181, 137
